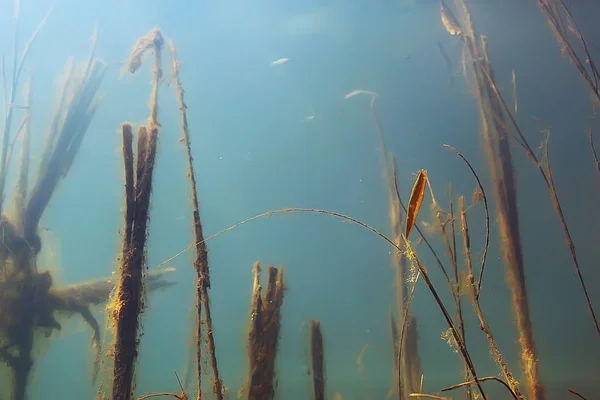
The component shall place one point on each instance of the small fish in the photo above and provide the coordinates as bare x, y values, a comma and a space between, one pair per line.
309, 118
449, 20
280, 61
416, 200
359, 91
514, 90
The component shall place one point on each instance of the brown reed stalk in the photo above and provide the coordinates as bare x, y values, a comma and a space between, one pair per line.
483, 324
407, 362
201, 261
318, 359
474, 286
546, 171
388, 164
487, 216
263, 337
500, 159
459, 308
128, 302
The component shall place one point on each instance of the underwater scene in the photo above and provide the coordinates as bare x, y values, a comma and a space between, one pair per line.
370, 200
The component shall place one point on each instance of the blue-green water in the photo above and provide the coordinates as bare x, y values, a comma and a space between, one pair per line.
255, 151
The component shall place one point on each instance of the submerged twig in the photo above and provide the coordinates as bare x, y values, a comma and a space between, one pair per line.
486, 378
577, 394
594, 153
182, 396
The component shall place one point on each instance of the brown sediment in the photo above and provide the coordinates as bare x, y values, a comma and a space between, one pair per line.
318, 360
500, 159
263, 337
128, 302
201, 261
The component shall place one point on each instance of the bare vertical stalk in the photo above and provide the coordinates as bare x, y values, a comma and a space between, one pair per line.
483, 324
318, 359
500, 159
201, 261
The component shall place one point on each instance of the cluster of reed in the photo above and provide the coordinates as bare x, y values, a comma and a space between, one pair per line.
498, 127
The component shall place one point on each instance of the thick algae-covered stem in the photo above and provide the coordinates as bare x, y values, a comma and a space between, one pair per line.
201, 261
500, 159
128, 302
263, 337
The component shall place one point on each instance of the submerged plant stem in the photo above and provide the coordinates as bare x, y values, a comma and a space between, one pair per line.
201, 261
